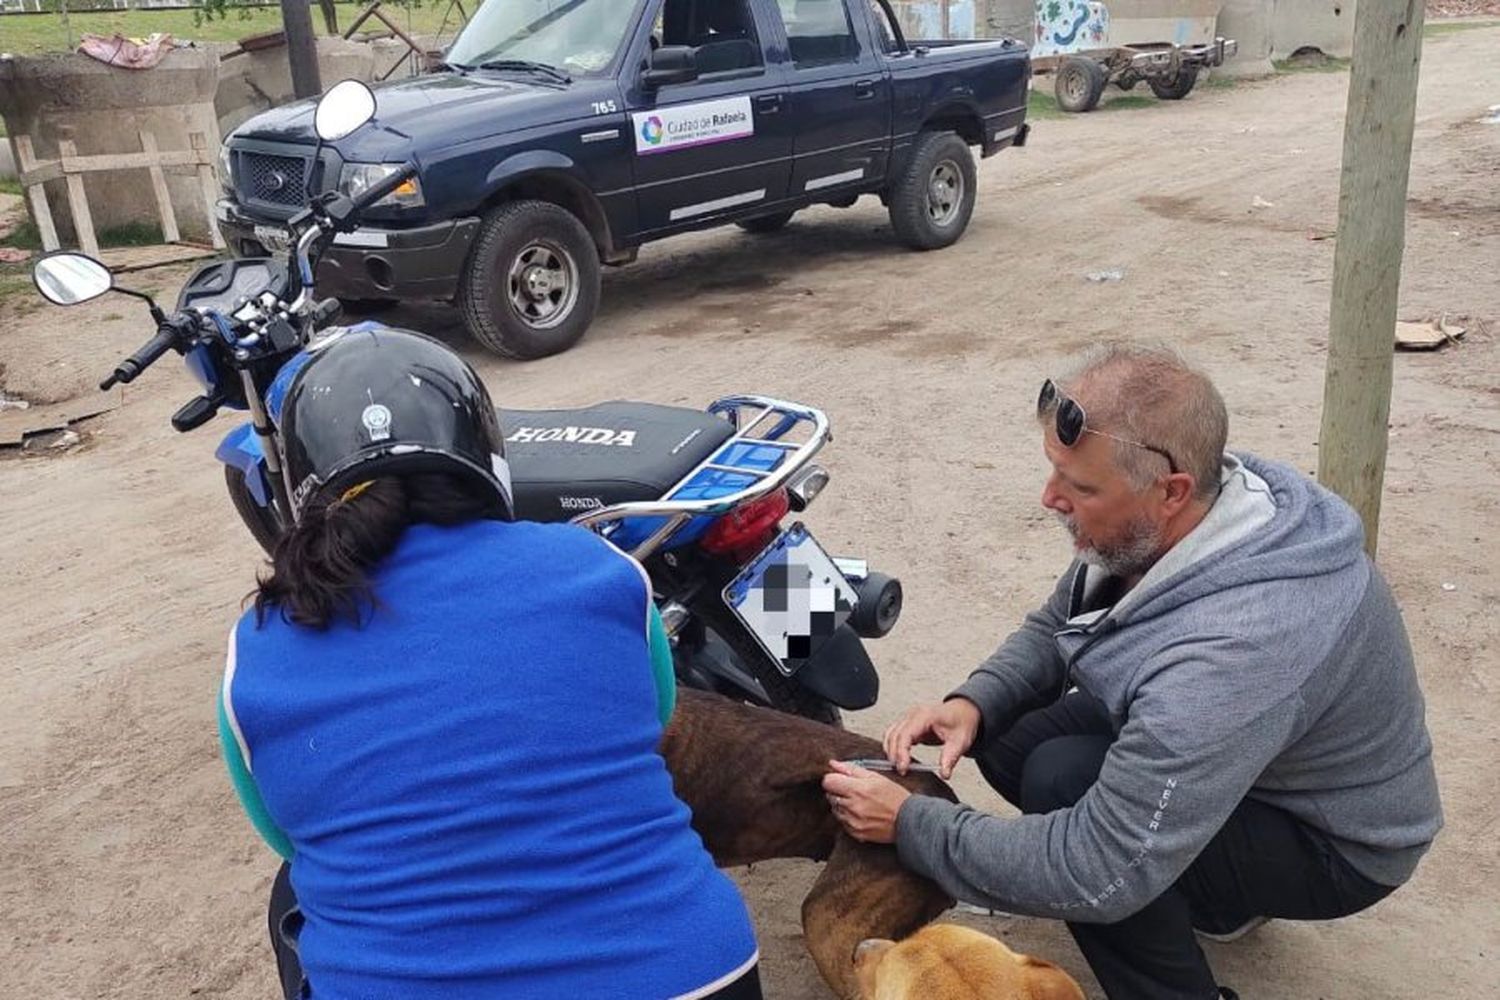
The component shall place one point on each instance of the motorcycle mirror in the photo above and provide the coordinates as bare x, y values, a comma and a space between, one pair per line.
347, 106
66, 279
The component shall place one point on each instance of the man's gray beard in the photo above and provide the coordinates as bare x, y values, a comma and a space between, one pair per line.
1132, 556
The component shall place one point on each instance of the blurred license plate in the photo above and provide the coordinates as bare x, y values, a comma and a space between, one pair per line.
792, 598
273, 238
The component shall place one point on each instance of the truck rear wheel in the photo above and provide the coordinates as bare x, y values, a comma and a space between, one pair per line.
1079, 85
933, 198
1174, 88
531, 285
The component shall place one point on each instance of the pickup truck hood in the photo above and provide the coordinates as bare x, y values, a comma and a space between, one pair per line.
428, 109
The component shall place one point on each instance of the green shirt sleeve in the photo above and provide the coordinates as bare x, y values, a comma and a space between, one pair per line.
244, 787
661, 664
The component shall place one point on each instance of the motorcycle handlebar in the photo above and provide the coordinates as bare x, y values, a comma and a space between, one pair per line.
142, 359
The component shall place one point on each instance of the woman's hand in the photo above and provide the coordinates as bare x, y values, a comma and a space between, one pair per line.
865, 803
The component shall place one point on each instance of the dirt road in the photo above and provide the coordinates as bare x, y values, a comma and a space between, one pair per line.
126, 869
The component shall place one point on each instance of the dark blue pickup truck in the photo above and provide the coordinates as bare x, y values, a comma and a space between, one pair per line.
563, 134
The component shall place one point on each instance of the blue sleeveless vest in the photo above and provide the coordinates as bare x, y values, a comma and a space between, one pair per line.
471, 784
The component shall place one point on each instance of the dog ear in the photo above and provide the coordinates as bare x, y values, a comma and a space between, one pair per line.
1045, 981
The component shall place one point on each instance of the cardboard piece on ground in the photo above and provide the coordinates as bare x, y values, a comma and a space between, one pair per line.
1426, 336
18, 425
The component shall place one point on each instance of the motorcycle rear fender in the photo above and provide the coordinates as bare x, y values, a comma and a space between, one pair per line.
240, 449
841, 671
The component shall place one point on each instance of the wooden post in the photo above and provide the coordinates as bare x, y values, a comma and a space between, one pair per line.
37, 193
301, 47
1367, 262
209, 186
159, 187
78, 201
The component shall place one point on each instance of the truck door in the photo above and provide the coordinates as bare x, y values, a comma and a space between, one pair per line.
840, 96
716, 145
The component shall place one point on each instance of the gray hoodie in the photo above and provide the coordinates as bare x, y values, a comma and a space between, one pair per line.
1262, 656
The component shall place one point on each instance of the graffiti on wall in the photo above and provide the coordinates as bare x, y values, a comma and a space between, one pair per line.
1069, 26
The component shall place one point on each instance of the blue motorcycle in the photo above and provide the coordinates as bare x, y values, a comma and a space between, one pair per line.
755, 607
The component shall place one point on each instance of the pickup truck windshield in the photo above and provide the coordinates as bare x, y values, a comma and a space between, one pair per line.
579, 37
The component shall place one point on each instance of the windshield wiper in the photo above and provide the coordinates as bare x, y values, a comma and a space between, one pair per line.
527, 65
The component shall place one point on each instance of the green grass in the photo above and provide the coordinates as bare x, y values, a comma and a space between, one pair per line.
9, 185
1218, 81
23, 237
1040, 104
34, 34
132, 234
1438, 29
1329, 64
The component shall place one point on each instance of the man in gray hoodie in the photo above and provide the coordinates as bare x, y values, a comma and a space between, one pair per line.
1214, 720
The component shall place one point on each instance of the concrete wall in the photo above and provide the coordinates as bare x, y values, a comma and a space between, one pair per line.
1320, 24
1274, 29
102, 109
252, 82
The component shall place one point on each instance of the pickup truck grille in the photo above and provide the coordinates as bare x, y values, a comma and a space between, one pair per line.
272, 179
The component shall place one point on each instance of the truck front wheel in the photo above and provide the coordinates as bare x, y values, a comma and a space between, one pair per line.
933, 198
531, 285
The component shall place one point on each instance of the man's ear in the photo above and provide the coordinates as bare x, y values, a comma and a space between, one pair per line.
1178, 491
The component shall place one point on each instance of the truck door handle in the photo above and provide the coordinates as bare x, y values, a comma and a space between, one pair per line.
768, 104
864, 90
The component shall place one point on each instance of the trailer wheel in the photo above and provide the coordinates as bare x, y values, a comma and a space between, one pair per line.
1080, 83
1175, 88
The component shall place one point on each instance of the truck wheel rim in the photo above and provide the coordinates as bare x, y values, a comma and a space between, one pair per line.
1076, 87
945, 193
543, 284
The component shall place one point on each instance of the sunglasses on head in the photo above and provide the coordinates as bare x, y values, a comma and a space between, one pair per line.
1071, 422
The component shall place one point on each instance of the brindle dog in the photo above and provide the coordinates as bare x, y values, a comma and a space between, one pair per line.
753, 779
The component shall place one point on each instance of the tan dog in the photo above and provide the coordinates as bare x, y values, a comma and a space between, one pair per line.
949, 962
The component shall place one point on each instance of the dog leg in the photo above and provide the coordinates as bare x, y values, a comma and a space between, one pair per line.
863, 892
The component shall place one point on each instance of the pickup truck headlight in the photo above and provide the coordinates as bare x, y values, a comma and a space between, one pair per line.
226, 168
358, 178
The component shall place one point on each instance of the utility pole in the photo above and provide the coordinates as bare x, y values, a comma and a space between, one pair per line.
1367, 262
301, 49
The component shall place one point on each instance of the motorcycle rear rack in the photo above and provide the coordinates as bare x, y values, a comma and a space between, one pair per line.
727, 462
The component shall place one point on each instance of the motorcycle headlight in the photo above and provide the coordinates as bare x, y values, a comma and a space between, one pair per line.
226, 168
358, 178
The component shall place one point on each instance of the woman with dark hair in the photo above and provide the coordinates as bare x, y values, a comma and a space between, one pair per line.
446, 721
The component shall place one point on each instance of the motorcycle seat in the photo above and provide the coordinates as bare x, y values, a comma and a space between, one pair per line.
566, 462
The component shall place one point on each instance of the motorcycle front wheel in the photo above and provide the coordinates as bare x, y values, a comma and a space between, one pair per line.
264, 522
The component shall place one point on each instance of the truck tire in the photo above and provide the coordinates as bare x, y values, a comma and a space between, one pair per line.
763, 224
1079, 84
933, 198
1174, 88
531, 284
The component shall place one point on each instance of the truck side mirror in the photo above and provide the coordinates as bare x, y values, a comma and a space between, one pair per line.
671, 64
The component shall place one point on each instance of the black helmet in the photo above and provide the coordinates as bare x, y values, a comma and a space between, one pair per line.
379, 401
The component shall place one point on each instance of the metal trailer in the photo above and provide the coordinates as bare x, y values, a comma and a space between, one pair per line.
1171, 71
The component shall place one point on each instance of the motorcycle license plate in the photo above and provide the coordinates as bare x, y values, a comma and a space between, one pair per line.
273, 238
792, 598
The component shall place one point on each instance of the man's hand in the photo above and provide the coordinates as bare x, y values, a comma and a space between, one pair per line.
864, 803
953, 725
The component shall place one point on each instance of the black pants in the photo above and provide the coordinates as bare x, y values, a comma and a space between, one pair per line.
286, 923
1262, 863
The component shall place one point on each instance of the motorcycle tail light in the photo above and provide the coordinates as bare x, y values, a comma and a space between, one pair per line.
746, 529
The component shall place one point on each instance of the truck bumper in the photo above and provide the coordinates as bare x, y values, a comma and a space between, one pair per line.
369, 263
1156, 61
